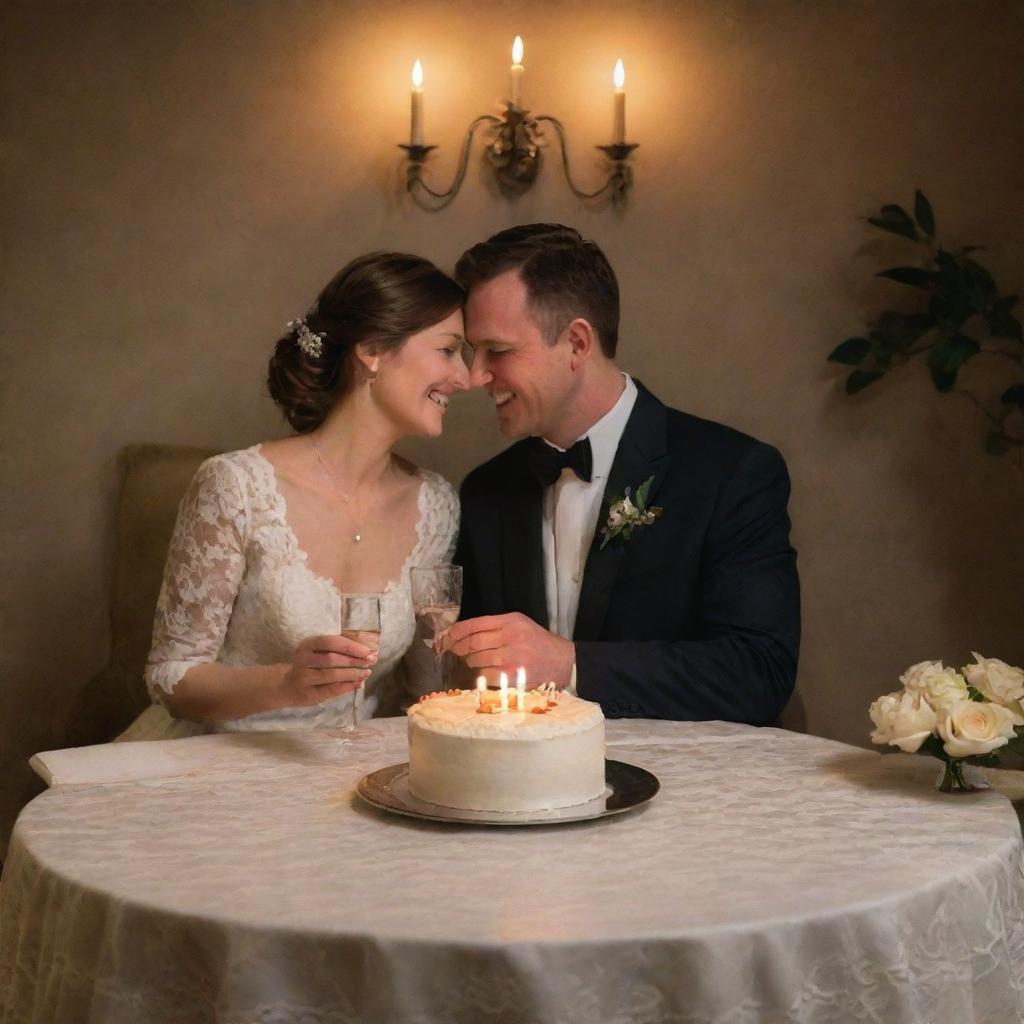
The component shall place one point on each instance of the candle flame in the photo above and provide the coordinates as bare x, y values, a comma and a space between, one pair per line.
417, 74
620, 74
517, 51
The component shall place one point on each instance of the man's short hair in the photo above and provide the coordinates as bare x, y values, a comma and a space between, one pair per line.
565, 276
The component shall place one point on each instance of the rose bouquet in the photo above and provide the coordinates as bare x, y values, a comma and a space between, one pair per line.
959, 717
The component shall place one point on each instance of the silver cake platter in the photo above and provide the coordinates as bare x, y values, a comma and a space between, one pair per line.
627, 786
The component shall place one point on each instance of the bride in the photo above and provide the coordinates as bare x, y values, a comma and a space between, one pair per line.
269, 539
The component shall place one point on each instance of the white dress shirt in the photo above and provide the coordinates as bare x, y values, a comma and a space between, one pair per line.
571, 510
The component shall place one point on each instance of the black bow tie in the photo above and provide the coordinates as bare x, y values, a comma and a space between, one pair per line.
546, 463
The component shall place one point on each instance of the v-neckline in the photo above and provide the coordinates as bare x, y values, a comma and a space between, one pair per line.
302, 557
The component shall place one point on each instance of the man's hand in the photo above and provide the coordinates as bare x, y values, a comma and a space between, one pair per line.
502, 643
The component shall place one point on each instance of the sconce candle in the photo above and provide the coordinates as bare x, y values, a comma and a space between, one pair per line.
416, 128
619, 125
517, 70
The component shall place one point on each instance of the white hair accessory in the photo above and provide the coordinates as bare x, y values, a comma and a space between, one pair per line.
310, 343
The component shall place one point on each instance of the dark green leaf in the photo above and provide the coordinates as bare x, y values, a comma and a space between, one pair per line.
860, 379
977, 272
850, 352
1016, 745
950, 309
896, 220
916, 277
951, 274
995, 443
933, 745
946, 358
974, 694
923, 214
1004, 325
981, 289
1014, 396
641, 493
897, 332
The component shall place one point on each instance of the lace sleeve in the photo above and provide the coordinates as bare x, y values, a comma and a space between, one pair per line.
205, 563
440, 520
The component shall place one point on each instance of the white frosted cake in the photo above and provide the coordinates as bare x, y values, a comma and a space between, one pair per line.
467, 753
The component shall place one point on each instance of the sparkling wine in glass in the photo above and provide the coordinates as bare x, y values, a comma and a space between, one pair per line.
436, 599
360, 621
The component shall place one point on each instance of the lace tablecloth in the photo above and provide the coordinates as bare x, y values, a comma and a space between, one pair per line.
775, 878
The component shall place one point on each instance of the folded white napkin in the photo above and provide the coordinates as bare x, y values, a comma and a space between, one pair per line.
167, 760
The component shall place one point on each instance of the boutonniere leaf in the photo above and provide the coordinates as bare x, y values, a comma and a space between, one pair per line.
629, 513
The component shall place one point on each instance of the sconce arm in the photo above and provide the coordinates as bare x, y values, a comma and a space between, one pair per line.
615, 182
415, 176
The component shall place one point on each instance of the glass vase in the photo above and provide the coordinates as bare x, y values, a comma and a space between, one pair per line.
952, 778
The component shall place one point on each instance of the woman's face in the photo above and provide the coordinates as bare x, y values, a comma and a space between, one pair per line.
415, 382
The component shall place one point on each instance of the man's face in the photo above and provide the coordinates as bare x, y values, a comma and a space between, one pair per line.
530, 380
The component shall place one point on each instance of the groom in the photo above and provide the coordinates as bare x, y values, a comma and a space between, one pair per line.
696, 614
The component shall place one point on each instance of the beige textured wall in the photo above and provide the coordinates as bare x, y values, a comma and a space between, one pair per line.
180, 179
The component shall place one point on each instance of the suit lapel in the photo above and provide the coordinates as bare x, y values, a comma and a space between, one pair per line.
522, 551
641, 454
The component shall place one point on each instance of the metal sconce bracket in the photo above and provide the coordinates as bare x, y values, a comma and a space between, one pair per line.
514, 154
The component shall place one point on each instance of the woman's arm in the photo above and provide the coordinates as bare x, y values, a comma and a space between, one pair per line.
205, 566
323, 667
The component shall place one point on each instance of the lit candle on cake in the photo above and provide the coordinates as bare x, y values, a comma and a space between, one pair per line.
517, 70
416, 128
521, 689
503, 691
481, 689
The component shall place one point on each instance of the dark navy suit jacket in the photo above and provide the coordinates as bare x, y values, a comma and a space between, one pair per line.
695, 617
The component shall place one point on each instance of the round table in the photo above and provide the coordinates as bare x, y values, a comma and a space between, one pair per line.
775, 878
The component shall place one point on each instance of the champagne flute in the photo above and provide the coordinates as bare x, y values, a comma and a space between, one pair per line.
436, 600
360, 621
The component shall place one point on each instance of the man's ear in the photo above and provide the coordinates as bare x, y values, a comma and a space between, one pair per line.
582, 342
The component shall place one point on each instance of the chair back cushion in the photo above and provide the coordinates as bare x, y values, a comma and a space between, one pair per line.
154, 478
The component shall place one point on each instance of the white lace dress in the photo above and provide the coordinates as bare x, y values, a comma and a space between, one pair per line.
237, 591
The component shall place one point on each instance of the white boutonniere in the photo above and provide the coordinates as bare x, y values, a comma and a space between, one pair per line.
629, 512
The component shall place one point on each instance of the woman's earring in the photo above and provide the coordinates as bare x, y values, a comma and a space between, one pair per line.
372, 378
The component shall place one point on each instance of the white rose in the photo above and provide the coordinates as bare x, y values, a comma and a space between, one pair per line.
998, 682
973, 727
615, 517
629, 510
912, 677
903, 720
942, 687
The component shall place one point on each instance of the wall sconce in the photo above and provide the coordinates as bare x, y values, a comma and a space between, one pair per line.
514, 149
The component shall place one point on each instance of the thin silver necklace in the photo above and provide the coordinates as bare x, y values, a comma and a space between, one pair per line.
332, 480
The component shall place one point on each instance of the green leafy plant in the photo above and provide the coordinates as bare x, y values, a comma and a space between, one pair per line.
962, 315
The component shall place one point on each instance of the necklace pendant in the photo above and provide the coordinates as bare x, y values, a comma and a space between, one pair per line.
357, 538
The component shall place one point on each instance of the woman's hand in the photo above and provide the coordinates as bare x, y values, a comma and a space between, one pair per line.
324, 667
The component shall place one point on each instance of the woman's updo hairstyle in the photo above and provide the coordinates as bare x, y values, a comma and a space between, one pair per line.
378, 300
